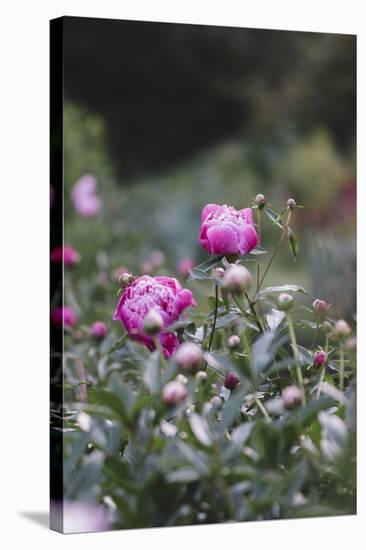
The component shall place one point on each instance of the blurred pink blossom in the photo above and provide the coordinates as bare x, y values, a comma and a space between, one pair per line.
67, 254
184, 266
84, 196
64, 316
99, 330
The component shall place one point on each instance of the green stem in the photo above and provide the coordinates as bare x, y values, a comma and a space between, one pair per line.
214, 321
262, 408
324, 367
296, 356
254, 313
284, 233
341, 372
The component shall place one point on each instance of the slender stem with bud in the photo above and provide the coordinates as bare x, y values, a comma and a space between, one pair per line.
322, 372
214, 321
341, 372
283, 234
296, 356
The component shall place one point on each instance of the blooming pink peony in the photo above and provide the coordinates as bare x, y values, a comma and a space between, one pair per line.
67, 254
64, 316
162, 294
84, 196
225, 230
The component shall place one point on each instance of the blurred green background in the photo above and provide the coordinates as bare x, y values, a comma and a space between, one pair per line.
171, 117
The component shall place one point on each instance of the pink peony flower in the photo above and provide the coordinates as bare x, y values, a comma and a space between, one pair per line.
67, 254
184, 266
225, 230
99, 330
64, 316
162, 294
84, 196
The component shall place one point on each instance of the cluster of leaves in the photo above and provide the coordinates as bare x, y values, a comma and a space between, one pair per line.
218, 455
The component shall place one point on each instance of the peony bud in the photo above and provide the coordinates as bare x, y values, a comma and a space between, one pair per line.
237, 279
153, 322
341, 329
320, 307
291, 396
326, 326
218, 274
216, 401
231, 380
260, 201
182, 378
189, 357
173, 393
351, 343
125, 279
201, 376
233, 342
291, 203
285, 301
99, 330
320, 358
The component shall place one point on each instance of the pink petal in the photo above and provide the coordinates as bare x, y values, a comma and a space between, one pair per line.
222, 240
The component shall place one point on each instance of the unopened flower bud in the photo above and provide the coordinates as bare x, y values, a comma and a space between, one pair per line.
201, 376
285, 301
218, 274
260, 201
291, 203
237, 279
326, 327
153, 322
173, 393
351, 343
125, 279
189, 357
98, 329
320, 307
231, 380
341, 329
233, 342
320, 358
291, 396
182, 378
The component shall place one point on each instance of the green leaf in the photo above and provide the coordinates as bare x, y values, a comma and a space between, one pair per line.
183, 475
282, 288
201, 429
151, 374
258, 250
273, 216
117, 345
108, 399
200, 272
238, 438
292, 242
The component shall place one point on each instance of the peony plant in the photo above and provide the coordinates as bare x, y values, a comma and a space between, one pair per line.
241, 409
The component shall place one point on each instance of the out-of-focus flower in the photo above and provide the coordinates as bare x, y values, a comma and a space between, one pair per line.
153, 323
157, 258
67, 254
231, 380
64, 316
99, 330
237, 279
147, 267
233, 342
173, 393
184, 266
218, 274
291, 396
227, 231
84, 196
83, 517
118, 271
291, 203
341, 329
189, 357
320, 307
285, 301
320, 358
260, 201
162, 294
326, 326
201, 376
